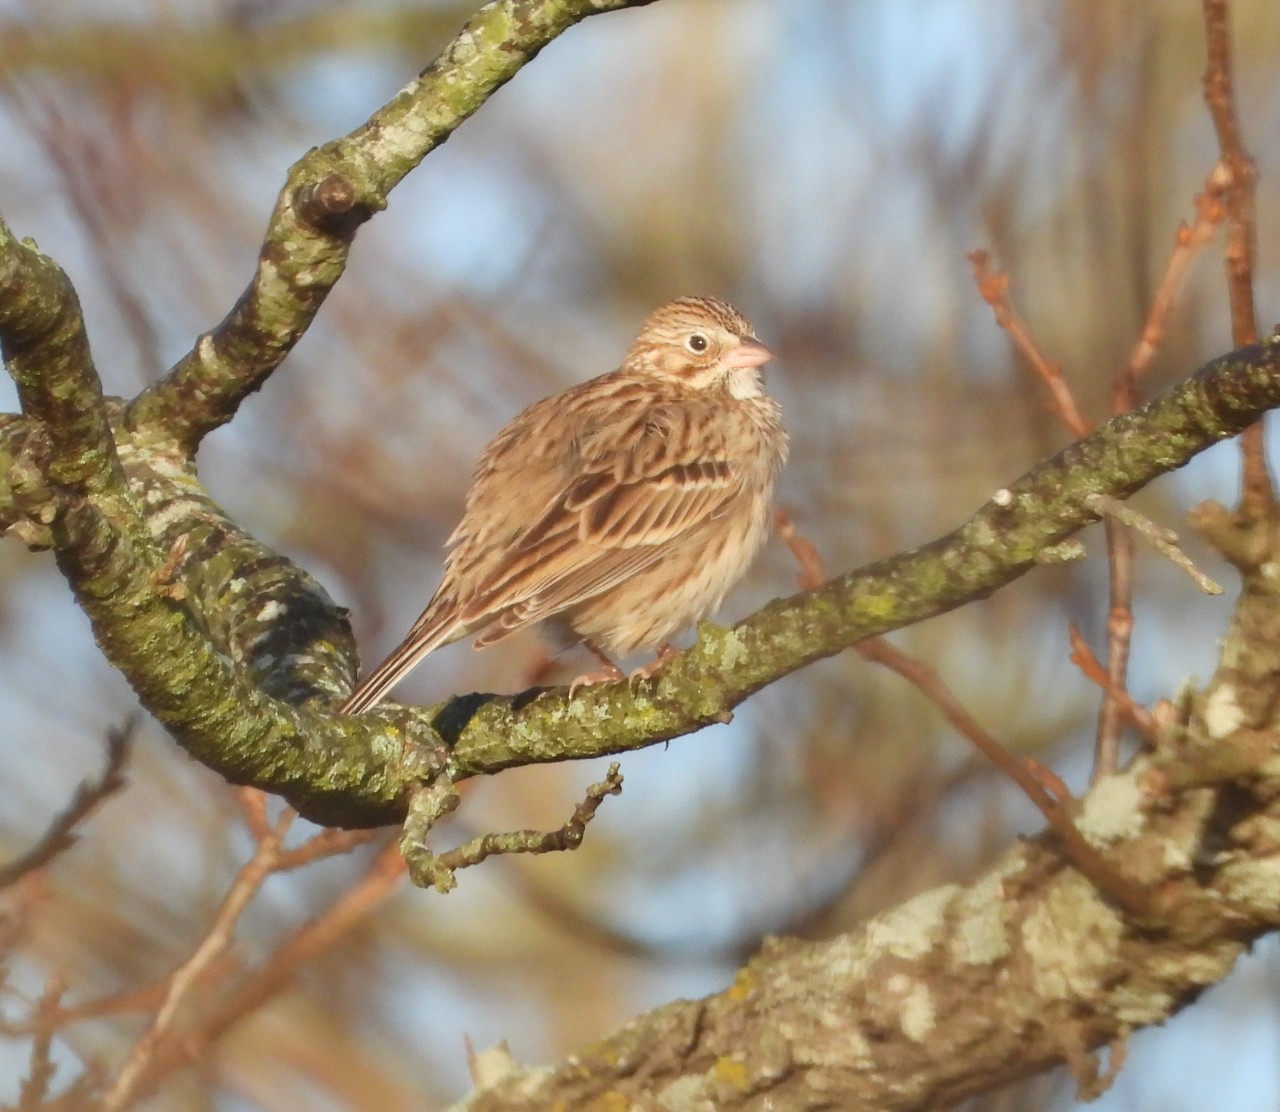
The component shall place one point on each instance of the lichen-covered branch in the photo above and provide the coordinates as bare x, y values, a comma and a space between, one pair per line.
329, 192
967, 988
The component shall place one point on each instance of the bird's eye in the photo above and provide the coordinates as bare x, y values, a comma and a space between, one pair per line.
697, 343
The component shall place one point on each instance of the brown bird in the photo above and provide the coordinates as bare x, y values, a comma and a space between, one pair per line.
619, 511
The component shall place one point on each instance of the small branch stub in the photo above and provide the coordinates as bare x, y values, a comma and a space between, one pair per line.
428, 870
1164, 541
330, 205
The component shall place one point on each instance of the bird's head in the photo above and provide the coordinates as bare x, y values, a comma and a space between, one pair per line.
702, 343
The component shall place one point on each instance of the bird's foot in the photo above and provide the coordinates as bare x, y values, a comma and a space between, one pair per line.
609, 673
588, 679
666, 653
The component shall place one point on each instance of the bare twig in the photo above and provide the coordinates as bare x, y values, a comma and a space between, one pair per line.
429, 870
1106, 751
1189, 241
327, 843
993, 286
812, 572
34, 1090
253, 806
1043, 788
1257, 493
1123, 892
1082, 656
1163, 540
61, 835
243, 889
380, 881
1210, 212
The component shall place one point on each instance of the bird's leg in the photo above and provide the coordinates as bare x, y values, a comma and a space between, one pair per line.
666, 653
608, 674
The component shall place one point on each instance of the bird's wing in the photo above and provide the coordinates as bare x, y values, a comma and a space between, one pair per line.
635, 487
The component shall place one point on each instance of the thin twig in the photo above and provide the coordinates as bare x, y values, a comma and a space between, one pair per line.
253, 806
1082, 656
33, 1092
380, 882
61, 835
327, 843
1043, 790
1100, 872
1189, 242
1106, 750
1210, 212
1257, 494
1163, 540
993, 287
243, 889
431, 870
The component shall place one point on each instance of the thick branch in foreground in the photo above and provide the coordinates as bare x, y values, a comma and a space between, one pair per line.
330, 191
967, 988
954, 993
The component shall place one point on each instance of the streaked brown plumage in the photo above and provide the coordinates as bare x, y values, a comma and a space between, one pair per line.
619, 511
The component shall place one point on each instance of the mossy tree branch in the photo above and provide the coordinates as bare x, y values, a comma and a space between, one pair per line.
204, 621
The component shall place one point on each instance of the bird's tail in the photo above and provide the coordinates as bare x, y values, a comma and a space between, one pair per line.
428, 633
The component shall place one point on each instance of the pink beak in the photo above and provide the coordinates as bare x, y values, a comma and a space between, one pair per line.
749, 353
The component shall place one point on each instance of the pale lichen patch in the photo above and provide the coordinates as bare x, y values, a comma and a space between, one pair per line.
1222, 712
1072, 940
272, 610
1112, 812
683, 1094
732, 649
918, 1015
980, 936
912, 930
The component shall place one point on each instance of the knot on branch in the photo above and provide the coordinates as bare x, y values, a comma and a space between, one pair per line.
330, 205
33, 504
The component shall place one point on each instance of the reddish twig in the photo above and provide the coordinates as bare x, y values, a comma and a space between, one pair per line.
1083, 658
993, 287
250, 878
253, 806
1210, 212
33, 1092
61, 835
1189, 241
1106, 748
812, 573
1257, 494
1100, 872
380, 881
1107, 879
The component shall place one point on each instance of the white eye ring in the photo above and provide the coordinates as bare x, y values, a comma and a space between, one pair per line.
697, 343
